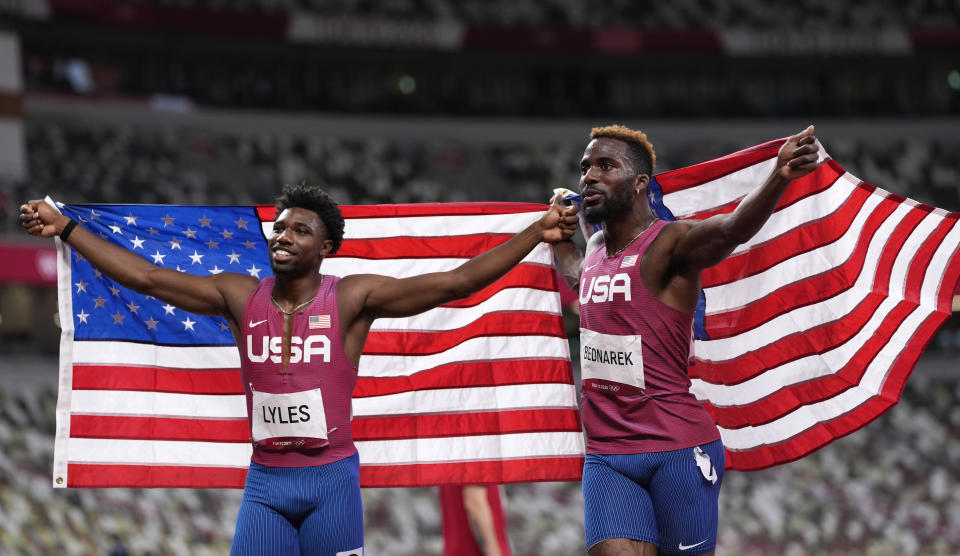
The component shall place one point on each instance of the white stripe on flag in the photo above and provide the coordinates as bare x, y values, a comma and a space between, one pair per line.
809, 415
470, 448
436, 226
448, 400
792, 372
751, 288
402, 268
159, 452
513, 300
721, 191
461, 400
490, 348
806, 210
807, 317
158, 404
149, 355
945, 253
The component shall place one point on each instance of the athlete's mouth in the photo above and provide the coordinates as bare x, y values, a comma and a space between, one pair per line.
282, 254
591, 196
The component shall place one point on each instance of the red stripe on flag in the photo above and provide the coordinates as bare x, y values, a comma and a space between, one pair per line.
699, 174
364, 428
470, 374
951, 276
481, 472
782, 350
532, 276
921, 260
797, 241
402, 247
822, 338
395, 427
785, 400
805, 291
817, 436
87, 475
811, 184
159, 428
473, 472
267, 213
491, 324
154, 379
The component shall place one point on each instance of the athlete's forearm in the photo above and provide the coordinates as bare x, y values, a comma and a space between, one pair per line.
485, 268
755, 209
125, 267
569, 262
196, 294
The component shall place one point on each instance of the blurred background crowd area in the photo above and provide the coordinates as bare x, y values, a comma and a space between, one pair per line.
222, 102
683, 14
887, 489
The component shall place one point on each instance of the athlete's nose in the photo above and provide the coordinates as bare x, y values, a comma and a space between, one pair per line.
283, 236
588, 178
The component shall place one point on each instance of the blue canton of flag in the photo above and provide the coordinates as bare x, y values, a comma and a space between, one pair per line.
195, 239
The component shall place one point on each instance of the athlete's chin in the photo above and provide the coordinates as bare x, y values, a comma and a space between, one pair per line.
594, 214
281, 268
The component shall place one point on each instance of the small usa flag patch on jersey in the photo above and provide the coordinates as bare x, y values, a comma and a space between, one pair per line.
319, 321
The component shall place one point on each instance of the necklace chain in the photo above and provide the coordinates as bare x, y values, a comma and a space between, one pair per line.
298, 307
629, 243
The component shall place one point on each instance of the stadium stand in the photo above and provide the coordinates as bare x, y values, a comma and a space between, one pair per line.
853, 496
685, 14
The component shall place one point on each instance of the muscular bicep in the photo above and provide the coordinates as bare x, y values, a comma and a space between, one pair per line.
220, 294
703, 243
402, 297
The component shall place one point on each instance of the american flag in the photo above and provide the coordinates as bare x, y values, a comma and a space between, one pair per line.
810, 330
477, 391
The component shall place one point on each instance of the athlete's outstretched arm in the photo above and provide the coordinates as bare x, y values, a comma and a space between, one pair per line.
392, 297
220, 294
570, 258
710, 241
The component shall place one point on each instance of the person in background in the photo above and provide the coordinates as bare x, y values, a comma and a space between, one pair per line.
473, 521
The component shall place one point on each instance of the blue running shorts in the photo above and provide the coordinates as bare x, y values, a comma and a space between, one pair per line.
663, 498
315, 510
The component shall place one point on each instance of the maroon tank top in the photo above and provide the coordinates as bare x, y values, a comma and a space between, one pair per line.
634, 351
317, 360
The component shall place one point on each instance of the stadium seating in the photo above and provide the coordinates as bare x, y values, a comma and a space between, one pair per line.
184, 165
670, 15
886, 489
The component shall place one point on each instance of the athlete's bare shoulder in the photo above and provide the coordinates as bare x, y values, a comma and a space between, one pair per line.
660, 261
668, 237
353, 291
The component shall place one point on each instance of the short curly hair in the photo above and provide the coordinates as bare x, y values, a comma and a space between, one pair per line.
639, 148
313, 198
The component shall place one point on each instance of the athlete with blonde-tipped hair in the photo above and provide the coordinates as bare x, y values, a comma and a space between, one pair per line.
655, 460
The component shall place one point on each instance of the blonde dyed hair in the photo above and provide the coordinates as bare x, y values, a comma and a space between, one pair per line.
639, 147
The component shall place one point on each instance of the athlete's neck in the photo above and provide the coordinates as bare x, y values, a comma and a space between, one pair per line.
290, 292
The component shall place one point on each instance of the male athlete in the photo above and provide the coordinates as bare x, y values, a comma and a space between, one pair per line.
654, 461
302, 494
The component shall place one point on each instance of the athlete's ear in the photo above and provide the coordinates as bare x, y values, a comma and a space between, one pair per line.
326, 247
640, 183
